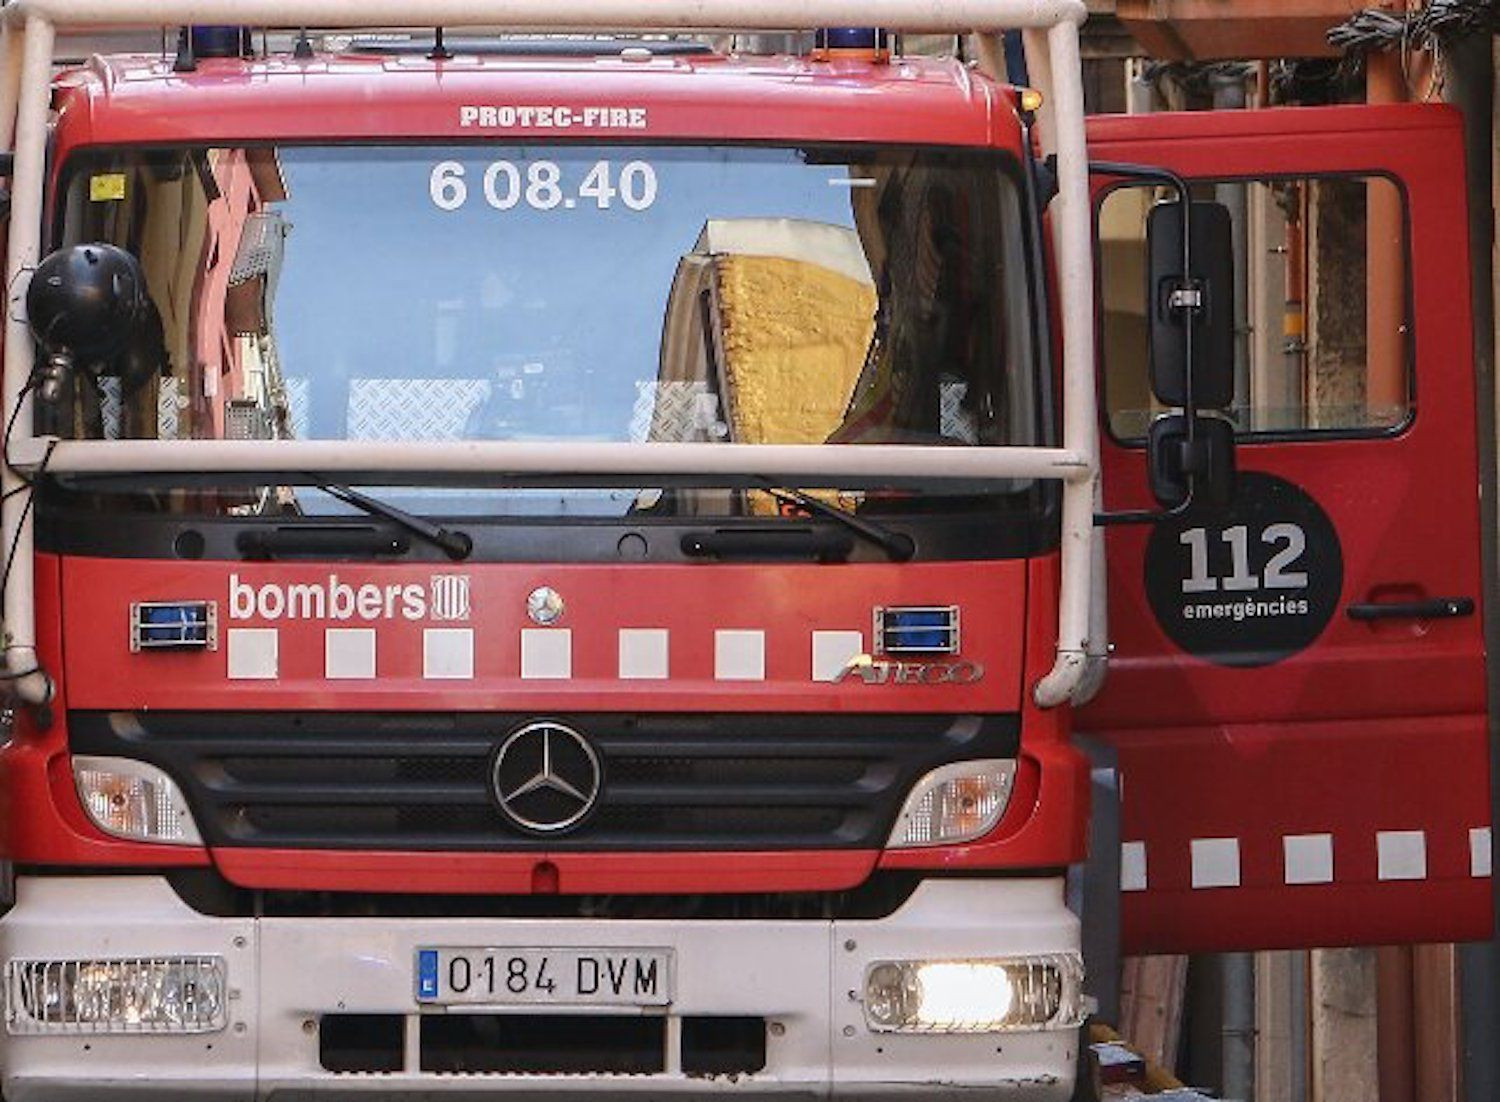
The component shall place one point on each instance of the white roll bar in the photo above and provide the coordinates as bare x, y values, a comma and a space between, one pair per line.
27, 35
928, 16
785, 462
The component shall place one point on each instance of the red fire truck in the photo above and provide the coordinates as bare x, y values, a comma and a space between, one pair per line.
429, 676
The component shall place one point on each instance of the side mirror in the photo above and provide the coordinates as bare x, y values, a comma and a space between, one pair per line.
1206, 296
1174, 456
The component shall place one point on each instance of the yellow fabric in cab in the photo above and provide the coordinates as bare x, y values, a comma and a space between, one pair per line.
794, 341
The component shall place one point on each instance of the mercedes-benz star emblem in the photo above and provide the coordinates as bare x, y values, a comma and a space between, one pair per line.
546, 777
544, 605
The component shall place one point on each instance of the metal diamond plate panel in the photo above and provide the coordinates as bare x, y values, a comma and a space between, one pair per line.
168, 426
412, 409
676, 412
111, 408
298, 395
953, 419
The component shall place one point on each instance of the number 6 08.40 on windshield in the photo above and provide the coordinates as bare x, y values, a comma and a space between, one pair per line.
544, 185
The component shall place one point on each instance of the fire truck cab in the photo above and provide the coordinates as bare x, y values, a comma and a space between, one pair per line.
538, 566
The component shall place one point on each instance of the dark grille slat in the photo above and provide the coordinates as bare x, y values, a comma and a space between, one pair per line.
422, 781
372, 795
815, 744
791, 795
371, 746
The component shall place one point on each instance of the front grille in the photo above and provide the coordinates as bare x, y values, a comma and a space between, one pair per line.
541, 1044
422, 781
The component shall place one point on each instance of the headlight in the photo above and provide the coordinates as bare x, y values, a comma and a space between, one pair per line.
975, 996
131, 799
955, 803
139, 995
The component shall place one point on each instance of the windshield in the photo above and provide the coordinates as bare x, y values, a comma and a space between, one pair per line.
564, 293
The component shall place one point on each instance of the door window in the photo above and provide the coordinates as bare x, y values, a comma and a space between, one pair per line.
1321, 335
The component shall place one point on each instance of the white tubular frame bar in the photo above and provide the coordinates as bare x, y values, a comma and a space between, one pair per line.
27, 35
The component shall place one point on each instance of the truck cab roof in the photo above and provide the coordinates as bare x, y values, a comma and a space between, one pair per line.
361, 96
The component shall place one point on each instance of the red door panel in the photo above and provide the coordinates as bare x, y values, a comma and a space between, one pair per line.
1293, 774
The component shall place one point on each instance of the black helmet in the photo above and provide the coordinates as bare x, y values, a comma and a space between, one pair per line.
86, 300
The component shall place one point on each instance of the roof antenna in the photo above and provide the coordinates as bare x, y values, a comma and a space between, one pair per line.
302, 49
440, 52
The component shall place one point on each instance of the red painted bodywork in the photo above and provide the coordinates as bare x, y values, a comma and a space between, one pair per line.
1043, 827
83, 603
787, 602
1374, 727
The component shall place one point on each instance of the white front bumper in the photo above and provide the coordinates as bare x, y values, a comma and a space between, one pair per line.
803, 977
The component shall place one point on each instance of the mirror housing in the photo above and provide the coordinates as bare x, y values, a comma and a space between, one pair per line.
1207, 459
1169, 299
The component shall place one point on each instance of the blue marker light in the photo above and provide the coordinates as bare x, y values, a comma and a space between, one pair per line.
931, 629
167, 625
919, 630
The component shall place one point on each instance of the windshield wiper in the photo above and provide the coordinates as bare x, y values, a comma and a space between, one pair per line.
456, 545
898, 545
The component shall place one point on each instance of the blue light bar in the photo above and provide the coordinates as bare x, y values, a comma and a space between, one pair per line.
871, 42
216, 41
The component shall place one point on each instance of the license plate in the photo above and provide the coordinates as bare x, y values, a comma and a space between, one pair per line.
561, 977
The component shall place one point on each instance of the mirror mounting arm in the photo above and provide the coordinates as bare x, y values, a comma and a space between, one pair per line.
1146, 516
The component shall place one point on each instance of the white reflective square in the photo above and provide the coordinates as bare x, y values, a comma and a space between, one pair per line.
1132, 866
1216, 862
1401, 855
832, 650
643, 654
253, 654
740, 655
546, 654
1479, 851
448, 654
349, 654
1308, 858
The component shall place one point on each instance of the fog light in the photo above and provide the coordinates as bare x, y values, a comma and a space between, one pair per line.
130, 799
956, 803
975, 996
139, 995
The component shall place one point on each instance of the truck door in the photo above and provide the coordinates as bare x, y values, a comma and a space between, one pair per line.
1297, 691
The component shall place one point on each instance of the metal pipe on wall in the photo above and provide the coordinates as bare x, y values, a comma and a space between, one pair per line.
1385, 267
1229, 94
1237, 1025
1237, 1050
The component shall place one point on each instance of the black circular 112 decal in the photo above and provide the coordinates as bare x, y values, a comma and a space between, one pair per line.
1249, 585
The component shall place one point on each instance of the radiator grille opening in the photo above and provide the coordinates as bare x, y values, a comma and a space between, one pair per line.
723, 1046
543, 1044
362, 1042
